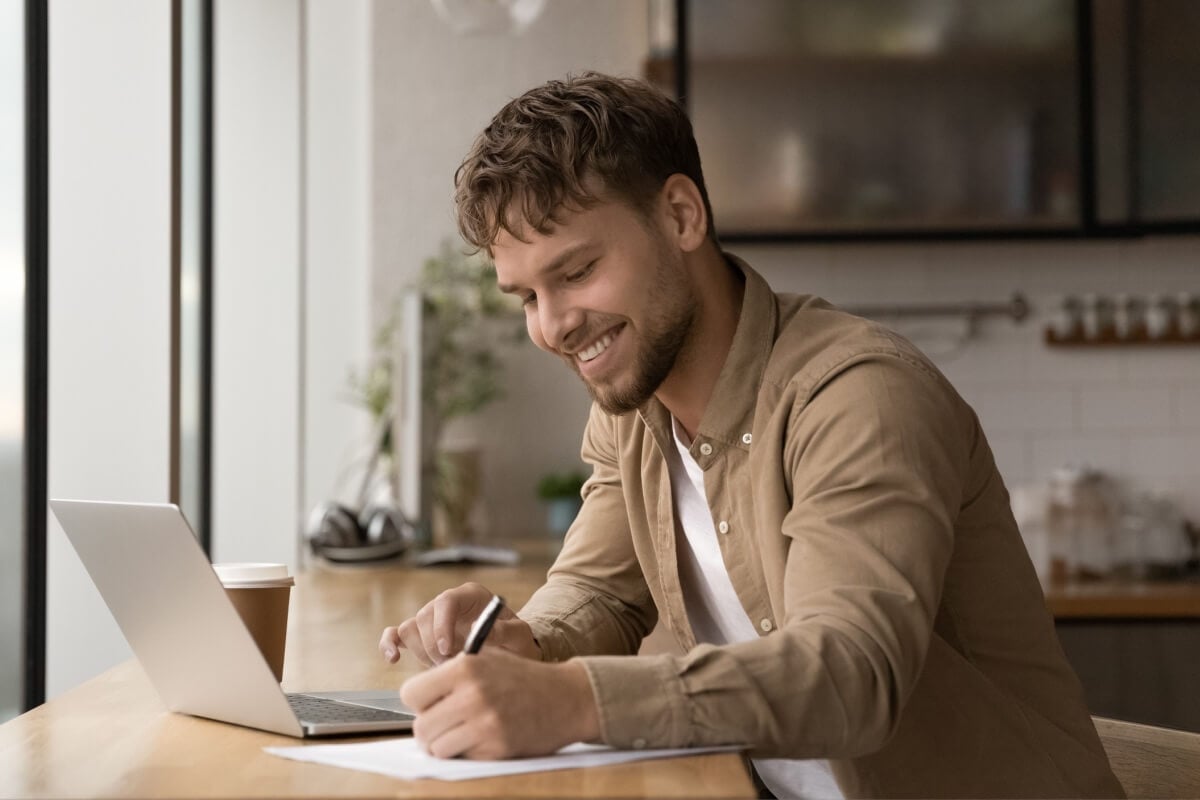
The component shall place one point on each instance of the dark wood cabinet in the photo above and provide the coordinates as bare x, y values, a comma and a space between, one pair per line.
1134, 646
1138, 670
1146, 64
853, 119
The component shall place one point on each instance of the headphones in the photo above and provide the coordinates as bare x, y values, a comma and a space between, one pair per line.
378, 531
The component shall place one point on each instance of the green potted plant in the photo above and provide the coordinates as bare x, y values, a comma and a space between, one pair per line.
466, 321
560, 491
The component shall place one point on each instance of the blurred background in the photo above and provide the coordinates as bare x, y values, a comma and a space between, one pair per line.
230, 275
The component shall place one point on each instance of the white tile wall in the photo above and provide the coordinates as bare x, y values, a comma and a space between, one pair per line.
1186, 410
1027, 409
1011, 452
1107, 408
1105, 451
1165, 456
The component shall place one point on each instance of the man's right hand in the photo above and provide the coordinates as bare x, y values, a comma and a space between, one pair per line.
439, 630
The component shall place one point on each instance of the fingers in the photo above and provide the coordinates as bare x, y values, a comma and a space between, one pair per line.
453, 717
439, 628
424, 625
499, 705
448, 744
411, 640
447, 608
421, 691
468, 741
453, 612
389, 645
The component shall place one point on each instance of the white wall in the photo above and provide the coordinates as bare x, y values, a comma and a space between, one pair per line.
433, 92
292, 176
338, 246
257, 280
110, 267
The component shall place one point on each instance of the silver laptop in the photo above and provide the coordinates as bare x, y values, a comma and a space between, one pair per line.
171, 606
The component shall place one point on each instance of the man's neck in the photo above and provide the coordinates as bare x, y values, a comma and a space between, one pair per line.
719, 290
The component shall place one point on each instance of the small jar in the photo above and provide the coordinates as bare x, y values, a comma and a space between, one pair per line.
1160, 317
1105, 324
1062, 525
1068, 320
1166, 545
1129, 318
1187, 315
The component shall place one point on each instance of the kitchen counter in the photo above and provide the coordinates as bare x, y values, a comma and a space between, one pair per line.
1124, 600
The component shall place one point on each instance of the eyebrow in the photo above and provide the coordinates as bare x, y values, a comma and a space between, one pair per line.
555, 264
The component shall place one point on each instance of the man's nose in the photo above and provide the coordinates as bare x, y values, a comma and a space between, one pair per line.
558, 321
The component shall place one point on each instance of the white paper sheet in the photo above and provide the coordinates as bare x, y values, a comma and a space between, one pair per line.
404, 758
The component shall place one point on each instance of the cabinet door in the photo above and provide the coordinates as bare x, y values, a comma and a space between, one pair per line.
1138, 670
1168, 92
1166, 97
851, 117
1147, 113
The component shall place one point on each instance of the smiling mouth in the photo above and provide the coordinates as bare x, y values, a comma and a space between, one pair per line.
594, 350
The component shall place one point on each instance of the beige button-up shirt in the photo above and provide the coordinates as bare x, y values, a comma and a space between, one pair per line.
867, 533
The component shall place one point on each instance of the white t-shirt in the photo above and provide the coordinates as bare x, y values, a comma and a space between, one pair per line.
716, 614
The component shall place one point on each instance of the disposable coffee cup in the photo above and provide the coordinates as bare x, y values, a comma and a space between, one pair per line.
260, 593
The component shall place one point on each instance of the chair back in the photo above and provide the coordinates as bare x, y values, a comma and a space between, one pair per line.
1150, 761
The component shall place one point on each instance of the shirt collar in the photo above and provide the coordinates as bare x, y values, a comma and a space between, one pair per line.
730, 412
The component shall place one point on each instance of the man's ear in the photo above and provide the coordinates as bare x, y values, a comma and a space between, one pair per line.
687, 219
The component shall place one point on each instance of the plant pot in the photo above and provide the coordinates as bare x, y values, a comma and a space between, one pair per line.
457, 492
560, 513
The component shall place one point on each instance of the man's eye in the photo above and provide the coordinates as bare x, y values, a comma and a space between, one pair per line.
576, 277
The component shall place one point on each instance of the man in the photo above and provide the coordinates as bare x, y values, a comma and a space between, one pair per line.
797, 493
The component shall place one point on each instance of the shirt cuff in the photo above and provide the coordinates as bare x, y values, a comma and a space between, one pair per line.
640, 701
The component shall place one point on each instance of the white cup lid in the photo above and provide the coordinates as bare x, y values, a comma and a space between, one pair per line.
257, 573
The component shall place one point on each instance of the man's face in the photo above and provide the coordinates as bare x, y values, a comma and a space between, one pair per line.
607, 293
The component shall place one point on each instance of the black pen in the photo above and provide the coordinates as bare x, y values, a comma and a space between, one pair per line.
483, 625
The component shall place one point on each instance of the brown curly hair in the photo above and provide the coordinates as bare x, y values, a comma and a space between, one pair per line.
532, 160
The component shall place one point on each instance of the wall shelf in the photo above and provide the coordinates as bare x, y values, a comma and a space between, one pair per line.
1173, 340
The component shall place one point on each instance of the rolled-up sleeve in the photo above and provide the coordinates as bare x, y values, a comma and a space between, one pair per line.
595, 599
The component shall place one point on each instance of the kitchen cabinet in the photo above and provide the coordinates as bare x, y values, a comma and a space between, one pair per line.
840, 119
1138, 670
1147, 113
1134, 646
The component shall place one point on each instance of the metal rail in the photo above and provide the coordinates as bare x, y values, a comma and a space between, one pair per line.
1017, 309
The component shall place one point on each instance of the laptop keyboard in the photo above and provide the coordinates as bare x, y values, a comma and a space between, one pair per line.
320, 709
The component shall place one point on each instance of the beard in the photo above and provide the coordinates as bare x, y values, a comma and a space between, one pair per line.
663, 336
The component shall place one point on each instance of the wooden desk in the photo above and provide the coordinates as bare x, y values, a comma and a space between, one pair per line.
111, 736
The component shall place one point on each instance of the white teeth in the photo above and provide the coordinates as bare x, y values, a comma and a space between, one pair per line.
596, 349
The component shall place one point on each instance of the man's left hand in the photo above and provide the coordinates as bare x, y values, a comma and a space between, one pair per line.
493, 705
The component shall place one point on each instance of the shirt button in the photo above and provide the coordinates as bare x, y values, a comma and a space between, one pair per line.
747, 438
639, 744
723, 527
706, 449
766, 625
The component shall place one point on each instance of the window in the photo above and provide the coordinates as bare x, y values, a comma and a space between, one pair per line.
22, 354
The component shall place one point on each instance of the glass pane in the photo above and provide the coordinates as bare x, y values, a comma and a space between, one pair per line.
1111, 91
1168, 153
847, 115
12, 353
192, 140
